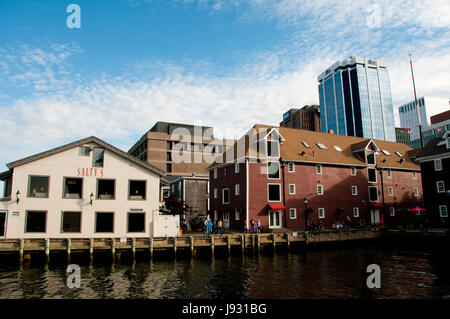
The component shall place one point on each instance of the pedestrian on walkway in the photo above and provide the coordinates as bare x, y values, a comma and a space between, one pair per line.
252, 225
258, 226
245, 227
220, 226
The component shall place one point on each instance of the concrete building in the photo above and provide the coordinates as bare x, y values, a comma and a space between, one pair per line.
428, 106
440, 123
434, 161
355, 99
402, 135
339, 176
306, 118
85, 189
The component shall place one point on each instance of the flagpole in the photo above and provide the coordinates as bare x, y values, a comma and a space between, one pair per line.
415, 101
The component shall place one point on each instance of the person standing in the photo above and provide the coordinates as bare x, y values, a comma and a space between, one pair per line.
206, 227
220, 226
245, 227
258, 226
252, 225
210, 225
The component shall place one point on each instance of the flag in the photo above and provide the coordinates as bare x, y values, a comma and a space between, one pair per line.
437, 129
408, 131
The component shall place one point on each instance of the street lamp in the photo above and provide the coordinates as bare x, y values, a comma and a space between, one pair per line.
91, 198
17, 197
306, 214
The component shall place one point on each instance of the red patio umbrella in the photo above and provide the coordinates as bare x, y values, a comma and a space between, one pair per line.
417, 209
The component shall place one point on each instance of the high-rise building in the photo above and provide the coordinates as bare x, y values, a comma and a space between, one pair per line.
355, 99
428, 106
402, 135
306, 118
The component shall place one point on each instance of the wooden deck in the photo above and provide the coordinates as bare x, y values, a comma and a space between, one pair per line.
254, 242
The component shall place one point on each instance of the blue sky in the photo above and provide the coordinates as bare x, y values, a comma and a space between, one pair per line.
227, 64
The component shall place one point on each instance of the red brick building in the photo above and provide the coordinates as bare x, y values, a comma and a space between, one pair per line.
270, 172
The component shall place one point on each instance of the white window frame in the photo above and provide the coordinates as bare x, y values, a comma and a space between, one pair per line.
321, 187
378, 195
215, 173
321, 213
414, 175
376, 177
237, 214
355, 188
292, 210
436, 168
319, 169
390, 191
207, 187
236, 167
355, 212
443, 186
352, 171
273, 201
416, 192
291, 193
389, 173
441, 211
392, 211
223, 195
291, 167
279, 170
237, 190
216, 193
267, 147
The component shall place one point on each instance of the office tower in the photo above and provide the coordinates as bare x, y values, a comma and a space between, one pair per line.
355, 99
306, 118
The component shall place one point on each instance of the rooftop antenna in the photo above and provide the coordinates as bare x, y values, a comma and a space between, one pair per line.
415, 100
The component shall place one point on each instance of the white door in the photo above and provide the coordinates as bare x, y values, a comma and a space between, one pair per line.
375, 215
167, 226
274, 219
3, 224
226, 220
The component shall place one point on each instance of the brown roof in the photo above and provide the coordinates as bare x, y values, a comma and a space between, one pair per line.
433, 149
292, 149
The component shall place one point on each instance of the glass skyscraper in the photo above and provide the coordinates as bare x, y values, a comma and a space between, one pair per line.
355, 99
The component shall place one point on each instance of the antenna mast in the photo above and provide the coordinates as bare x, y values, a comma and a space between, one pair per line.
415, 100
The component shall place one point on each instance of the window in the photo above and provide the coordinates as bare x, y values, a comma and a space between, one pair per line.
392, 211
71, 222
36, 222
390, 191
321, 212
216, 215
215, 173
389, 173
169, 157
322, 146
98, 156
104, 222
386, 152
236, 190
236, 167
416, 192
443, 211
291, 168
371, 158
355, 212
354, 190
305, 144
274, 191
319, 190
169, 168
85, 150
414, 175
137, 190
273, 170
105, 188
38, 186
215, 192
292, 189
373, 193
293, 213
398, 154
225, 196
237, 214
372, 174
169, 145
337, 148
272, 149
136, 222
440, 186
319, 169
438, 165
73, 188
353, 171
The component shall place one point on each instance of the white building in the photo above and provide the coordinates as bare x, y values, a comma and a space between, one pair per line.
85, 189
428, 106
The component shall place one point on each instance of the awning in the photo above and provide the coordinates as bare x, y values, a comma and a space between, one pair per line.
377, 205
276, 206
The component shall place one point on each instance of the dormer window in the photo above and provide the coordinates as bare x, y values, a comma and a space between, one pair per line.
398, 154
322, 146
305, 144
386, 152
337, 148
273, 149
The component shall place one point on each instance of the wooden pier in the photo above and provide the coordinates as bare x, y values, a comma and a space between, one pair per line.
247, 243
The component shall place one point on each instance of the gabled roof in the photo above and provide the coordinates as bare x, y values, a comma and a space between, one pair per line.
91, 139
432, 148
292, 149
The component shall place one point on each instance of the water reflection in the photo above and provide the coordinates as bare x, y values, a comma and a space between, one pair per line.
337, 273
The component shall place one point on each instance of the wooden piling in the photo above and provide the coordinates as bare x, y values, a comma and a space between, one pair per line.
68, 248
243, 244
253, 243
150, 246
274, 244
228, 245
133, 247
113, 249
258, 244
91, 250
47, 250
288, 243
21, 248
191, 245
212, 246
174, 247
